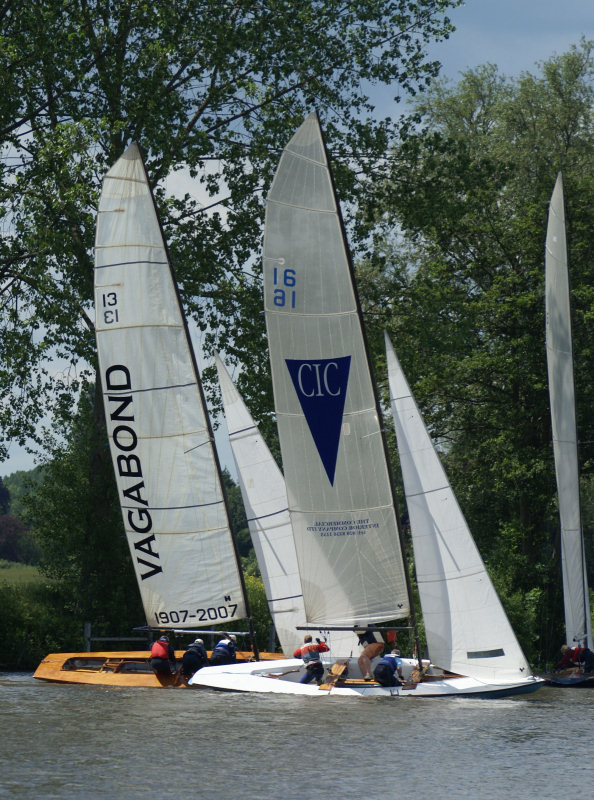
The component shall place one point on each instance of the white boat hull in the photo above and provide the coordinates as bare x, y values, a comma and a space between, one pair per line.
282, 677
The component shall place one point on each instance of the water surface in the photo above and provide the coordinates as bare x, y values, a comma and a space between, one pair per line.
89, 741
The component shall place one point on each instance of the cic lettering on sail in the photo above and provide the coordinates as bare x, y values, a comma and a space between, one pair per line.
321, 386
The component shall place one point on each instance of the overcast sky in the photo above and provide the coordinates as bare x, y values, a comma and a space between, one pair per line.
513, 34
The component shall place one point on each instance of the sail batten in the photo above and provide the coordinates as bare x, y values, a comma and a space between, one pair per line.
338, 483
162, 449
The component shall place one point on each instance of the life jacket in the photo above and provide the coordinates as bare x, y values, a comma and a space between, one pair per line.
390, 661
310, 652
160, 650
226, 646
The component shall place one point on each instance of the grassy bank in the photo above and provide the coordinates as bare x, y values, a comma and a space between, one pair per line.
13, 574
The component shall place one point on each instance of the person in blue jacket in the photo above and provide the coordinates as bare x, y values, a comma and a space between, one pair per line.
224, 651
388, 671
194, 658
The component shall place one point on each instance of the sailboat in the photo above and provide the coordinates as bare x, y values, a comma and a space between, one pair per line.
340, 493
162, 446
559, 344
467, 630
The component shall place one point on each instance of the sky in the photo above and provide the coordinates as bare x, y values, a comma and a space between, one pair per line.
516, 35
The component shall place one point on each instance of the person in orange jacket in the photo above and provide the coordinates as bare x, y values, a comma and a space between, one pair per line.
162, 657
310, 653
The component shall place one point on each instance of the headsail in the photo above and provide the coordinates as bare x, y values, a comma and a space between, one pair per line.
338, 484
565, 444
160, 438
467, 629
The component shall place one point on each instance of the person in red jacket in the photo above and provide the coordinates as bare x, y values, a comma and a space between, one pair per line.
310, 653
573, 656
162, 657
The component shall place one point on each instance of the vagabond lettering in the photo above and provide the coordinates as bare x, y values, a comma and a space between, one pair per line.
129, 468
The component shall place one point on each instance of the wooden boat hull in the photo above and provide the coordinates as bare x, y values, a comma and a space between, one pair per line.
127, 668
282, 677
570, 678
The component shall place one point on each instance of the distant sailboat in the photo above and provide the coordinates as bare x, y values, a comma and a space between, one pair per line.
340, 495
559, 343
162, 445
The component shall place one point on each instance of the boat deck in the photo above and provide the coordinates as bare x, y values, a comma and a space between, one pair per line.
126, 668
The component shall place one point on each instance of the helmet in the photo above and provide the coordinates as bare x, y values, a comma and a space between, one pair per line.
198, 641
233, 637
163, 639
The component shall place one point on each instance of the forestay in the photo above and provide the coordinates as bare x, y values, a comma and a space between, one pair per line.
338, 486
565, 445
467, 629
161, 444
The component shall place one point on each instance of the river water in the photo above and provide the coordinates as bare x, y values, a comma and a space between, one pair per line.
97, 742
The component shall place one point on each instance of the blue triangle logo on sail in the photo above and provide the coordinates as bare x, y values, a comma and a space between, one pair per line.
321, 386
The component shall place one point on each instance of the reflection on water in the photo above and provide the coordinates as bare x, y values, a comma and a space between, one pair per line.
80, 742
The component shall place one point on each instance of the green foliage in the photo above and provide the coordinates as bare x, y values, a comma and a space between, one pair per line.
259, 609
19, 484
16, 542
76, 518
16, 574
34, 622
208, 87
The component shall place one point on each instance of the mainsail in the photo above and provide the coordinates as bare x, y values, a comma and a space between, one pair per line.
467, 629
338, 484
160, 438
565, 444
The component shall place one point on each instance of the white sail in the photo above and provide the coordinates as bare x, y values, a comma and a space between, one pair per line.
338, 485
160, 439
265, 499
565, 446
467, 629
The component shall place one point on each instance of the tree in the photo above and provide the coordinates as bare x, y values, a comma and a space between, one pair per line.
76, 518
215, 86
4, 498
462, 295
16, 543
